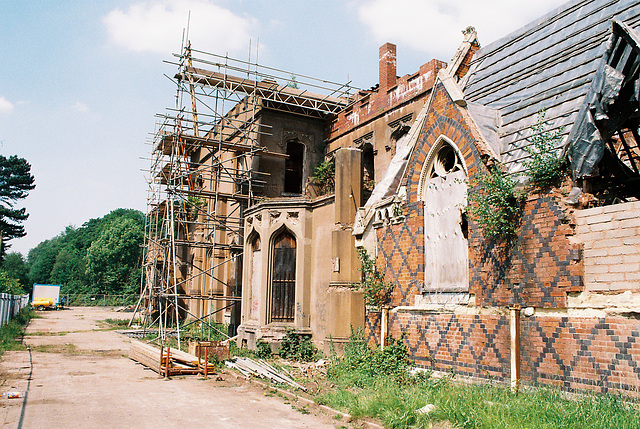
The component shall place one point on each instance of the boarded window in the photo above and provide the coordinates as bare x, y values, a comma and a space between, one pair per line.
293, 168
283, 278
445, 226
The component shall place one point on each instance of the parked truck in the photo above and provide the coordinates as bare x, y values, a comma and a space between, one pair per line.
46, 297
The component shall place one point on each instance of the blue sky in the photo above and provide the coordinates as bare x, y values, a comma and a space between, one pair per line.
81, 81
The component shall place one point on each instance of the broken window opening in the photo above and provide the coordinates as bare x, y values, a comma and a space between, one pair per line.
368, 171
283, 278
293, 168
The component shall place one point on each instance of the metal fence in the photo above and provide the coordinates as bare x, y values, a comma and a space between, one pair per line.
98, 300
10, 305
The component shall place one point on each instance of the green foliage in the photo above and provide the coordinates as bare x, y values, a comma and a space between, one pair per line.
193, 206
263, 350
361, 366
11, 333
16, 181
65, 259
377, 292
110, 256
497, 206
15, 266
325, 174
293, 83
296, 346
10, 285
545, 166
371, 383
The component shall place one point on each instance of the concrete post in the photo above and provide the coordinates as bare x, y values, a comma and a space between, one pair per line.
514, 324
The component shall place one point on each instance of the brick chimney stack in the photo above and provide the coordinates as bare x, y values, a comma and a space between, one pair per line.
387, 66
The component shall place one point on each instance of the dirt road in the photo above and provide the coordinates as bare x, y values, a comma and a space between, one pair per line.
82, 378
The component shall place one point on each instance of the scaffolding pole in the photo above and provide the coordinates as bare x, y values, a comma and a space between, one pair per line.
201, 180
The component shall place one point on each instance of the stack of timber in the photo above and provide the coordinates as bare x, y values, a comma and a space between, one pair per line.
167, 362
261, 369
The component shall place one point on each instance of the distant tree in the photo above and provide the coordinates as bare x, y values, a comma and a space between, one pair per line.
113, 260
69, 270
41, 260
10, 285
16, 267
101, 256
16, 181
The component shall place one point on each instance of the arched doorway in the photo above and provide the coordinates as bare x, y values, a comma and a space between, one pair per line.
283, 278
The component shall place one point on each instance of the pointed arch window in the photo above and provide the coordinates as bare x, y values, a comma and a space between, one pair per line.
443, 188
283, 277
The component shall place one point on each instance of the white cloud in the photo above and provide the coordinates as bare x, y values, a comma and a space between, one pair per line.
157, 26
435, 26
81, 107
5, 105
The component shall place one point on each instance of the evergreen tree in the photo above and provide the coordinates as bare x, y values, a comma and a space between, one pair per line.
16, 181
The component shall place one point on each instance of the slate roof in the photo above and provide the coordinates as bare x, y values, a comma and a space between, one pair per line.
549, 64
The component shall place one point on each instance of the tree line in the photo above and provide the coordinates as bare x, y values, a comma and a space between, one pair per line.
103, 256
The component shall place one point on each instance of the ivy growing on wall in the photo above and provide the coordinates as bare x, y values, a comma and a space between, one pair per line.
377, 292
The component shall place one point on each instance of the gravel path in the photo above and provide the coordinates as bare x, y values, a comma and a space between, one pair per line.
83, 378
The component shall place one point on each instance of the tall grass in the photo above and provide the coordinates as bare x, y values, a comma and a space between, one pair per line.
376, 384
11, 332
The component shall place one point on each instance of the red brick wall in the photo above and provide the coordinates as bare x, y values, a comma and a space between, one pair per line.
540, 269
377, 102
472, 345
575, 353
578, 353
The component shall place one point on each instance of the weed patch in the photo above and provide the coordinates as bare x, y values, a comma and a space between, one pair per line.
371, 383
296, 346
11, 333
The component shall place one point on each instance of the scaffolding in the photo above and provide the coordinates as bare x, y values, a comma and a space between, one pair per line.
202, 177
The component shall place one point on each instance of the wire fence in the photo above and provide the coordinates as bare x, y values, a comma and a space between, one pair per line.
98, 300
10, 305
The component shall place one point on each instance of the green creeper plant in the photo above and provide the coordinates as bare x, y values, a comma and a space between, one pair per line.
545, 165
377, 292
496, 205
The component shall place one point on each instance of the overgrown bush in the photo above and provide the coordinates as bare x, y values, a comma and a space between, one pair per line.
263, 350
545, 165
497, 205
325, 174
297, 346
11, 332
361, 365
377, 292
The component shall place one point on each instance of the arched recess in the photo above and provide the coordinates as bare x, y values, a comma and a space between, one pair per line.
443, 188
283, 277
255, 262
294, 167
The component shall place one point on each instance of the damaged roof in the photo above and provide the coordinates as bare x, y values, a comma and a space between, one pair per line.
552, 64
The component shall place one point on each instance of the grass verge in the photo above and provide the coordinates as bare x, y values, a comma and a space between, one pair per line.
371, 383
11, 333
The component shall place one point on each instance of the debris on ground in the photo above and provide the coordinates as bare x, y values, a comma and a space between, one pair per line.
426, 409
168, 361
261, 369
